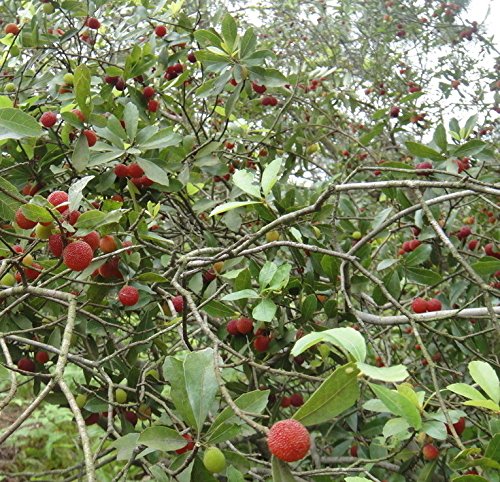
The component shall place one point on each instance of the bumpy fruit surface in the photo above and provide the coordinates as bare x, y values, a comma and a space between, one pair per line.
419, 305
430, 452
160, 31
128, 296
214, 460
91, 137
48, 119
57, 198
23, 222
289, 440
459, 426
134, 170
77, 255
42, 357
107, 244
92, 239
261, 343
26, 364
178, 302
434, 305
232, 327
56, 245
93, 23
244, 325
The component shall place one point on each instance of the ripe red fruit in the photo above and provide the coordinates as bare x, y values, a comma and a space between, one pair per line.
406, 246
422, 167
269, 100
419, 305
379, 362
232, 327
430, 452
464, 232
111, 80
244, 325
121, 170
209, 275
110, 269
91, 137
189, 446
42, 357
414, 244
77, 255
434, 305
285, 402
58, 197
394, 112
261, 343
135, 170
11, 28
108, 244
72, 217
353, 450
296, 400
131, 417
92, 239
289, 440
92, 419
489, 250
260, 89
148, 92
26, 364
128, 296
79, 114
23, 222
178, 302
153, 105
48, 119
459, 426
191, 57
160, 31
93, 23
473, 244
56, 245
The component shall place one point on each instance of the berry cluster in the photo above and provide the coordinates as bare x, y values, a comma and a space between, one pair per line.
134, 172
419, 305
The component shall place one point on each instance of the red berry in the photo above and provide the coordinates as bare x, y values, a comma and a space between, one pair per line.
26, 364
79, 114
91, 137
48, 119
135, 170
108, 244
11, 28
58, 197
419, 305
178, 302
407, 246
394, 112
192, 57
128, 296
489, 250
296, 400
22, 221
148, 92
430, 452
110, 79
189, 446
232, 327
153, 105
414, 244
353, 450
244, 326
120, 84
110, 269
131, 417
160, 31
56, 245
459, 426
121, 170
285, 402
261, 343
473, 244
289, 440
71, 216
434, 305
77, 255
464, 232
92, 239
423, 166
42, 357
93, 23
260, 89
379, 362
209, 275
92, 419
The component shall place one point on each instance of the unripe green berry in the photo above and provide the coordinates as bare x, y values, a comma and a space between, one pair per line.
43, 232
214, 460
68, 78
10, 87
81, 400
8, 280
48, 8
356, 235
120, 395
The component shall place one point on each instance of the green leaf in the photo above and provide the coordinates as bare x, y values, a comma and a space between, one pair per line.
81, 83
435, 429
419, 256
229, 31
398, 405
488, 404
173, 371
265, 310
466, 391
8, 204
270, 175
131, 119
475, 146
251, 402
223, 208
206, 37
424, 152
36, 213
90, 219
217, 309
486, 266
163, 138
266, 274
485, 376
161, 438
75, 192
396, 373
470, 478
201, 383
268, 77
493, 448
440, 137
308, 307
151, 278
423, 276
395, 426
247, 43
365, 139
469, 126
357, 479
16, 124
81, 154
381, 217
154, 172
125, 446
347, 339
335, 395
280, 278
240, 295
281, 471
247, 182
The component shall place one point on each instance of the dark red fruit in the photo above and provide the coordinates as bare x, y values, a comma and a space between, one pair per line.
261, 343
430, 452
91, 137
58, 197
189, 446
26, 365
419, 305
232, 327
160, 31
121, 170
93, 23
244, 325
434, 305
296, 400
128, 296
48, 119
77, 255
42, 357
178, 302
289, 440
23, 222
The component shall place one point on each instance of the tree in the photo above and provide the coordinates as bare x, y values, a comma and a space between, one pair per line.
252, 245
